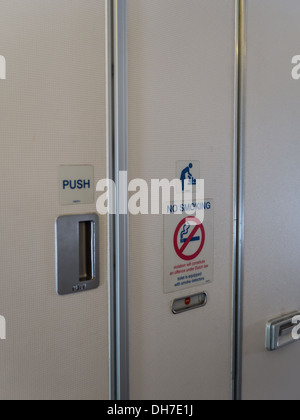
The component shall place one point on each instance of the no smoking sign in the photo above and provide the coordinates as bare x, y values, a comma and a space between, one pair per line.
188, 249
189, 231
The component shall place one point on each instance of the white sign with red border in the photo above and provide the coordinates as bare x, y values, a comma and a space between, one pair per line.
188, 247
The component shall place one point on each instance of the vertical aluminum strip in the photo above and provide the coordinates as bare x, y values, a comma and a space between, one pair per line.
240, 201
121, 220
235, 190
110, 175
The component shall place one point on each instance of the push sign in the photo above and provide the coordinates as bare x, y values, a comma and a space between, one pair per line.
76, 185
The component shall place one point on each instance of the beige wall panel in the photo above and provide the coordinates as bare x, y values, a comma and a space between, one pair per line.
272, 205
181, 107
52, 112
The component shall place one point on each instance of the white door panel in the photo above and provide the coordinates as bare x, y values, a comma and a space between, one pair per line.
181, 107
52, 112
272, 174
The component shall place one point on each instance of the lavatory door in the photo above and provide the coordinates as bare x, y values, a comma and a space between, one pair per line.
272, 205
181, 64
53, 131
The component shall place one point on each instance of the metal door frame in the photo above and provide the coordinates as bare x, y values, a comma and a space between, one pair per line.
118, 230
239, 210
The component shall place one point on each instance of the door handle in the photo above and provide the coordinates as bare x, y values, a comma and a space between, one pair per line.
86, 251
77, 253
279, 332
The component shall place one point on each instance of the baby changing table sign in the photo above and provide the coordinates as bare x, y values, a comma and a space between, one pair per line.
188, 171
188, 246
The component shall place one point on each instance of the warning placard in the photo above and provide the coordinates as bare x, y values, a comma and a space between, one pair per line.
188, 246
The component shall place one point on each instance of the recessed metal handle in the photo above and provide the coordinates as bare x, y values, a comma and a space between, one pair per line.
77, 253
279, 332
86, 251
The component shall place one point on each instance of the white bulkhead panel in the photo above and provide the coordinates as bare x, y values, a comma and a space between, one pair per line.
52, 112
181, 108
272, 204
